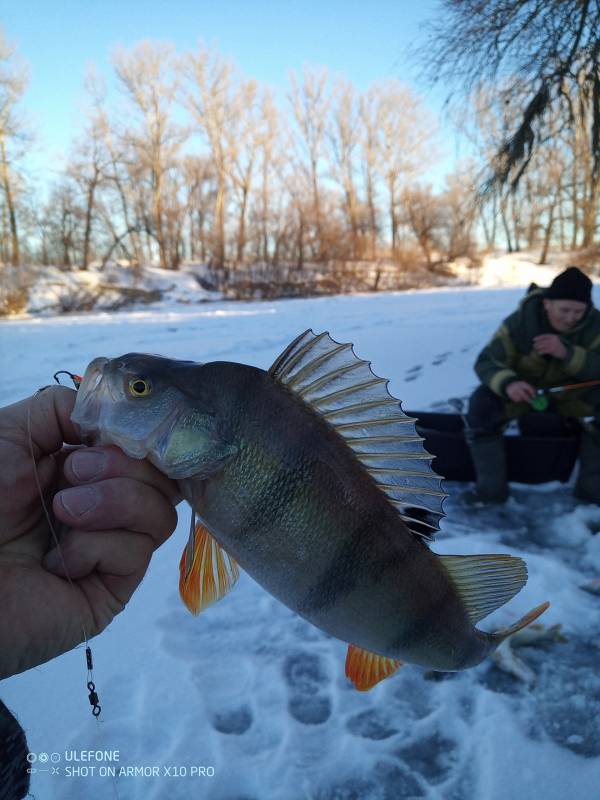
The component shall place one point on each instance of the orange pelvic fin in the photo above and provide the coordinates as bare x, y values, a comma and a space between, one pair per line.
206, 571
365, 669
503, 633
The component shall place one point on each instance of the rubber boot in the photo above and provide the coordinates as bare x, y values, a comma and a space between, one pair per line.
489, 459
587, 486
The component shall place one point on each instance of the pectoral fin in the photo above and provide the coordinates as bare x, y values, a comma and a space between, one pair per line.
206, 571
366, 669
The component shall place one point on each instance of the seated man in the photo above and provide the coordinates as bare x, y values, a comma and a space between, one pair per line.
552, 339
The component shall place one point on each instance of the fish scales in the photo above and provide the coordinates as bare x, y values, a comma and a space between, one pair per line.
314, 481
300, 514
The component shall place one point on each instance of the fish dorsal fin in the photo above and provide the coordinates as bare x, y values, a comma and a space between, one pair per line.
343, 389
206, 571
485, 582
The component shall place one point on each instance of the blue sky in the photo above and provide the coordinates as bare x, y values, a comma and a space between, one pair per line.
365, 40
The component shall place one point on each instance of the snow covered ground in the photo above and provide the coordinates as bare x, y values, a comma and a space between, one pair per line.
257, 694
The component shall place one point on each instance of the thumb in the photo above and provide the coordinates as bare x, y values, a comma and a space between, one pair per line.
48, 415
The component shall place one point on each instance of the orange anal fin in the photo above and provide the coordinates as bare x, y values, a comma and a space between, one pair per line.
366, 669
212, 573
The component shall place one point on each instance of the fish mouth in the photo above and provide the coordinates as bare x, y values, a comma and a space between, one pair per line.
86, 414
95, 405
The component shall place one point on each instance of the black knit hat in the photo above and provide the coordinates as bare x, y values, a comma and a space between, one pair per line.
572, 284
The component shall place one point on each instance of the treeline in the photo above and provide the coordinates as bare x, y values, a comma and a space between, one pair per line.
191, 161
553, 202
531, 72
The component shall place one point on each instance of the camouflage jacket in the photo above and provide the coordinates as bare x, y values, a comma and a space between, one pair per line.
510, 356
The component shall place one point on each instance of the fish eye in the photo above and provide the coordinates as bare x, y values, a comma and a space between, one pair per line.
140, 387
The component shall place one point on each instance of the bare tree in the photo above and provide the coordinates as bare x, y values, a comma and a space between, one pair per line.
120, 189
310, 103
200, 189
88, 167
269, 213
208, 96
423, 215
404, 133
64, 216
148, 80
243, 137
369, 118
13, 81
539, 54
457, 213
344, 137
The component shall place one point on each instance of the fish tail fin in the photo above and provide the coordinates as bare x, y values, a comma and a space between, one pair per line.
498, 637
485, 582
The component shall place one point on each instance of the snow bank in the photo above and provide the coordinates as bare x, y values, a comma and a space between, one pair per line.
50, 290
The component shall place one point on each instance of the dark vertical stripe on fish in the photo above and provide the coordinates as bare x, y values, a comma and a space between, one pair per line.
351, 564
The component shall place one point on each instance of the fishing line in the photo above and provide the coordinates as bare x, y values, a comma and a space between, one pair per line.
45, 509
91, 686
93, 697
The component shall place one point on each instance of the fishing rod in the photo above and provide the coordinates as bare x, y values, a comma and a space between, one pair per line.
541, 401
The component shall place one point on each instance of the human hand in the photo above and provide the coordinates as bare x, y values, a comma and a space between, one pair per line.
549, 344
520, 392
117, 510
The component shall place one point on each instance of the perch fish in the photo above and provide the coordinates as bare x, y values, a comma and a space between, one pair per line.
311, 478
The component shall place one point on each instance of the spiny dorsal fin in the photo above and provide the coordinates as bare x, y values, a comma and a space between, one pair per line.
487, 582
206, 571
366, 669
343, 389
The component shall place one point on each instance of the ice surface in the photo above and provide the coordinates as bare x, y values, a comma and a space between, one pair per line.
257, 693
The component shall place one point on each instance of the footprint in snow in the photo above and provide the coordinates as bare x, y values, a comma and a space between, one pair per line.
439, 359
432, 757
413, 373
233, 721
371, 724
384, 780
593, 525
306, 678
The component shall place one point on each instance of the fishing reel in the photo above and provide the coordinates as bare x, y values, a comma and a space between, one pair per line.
541, 401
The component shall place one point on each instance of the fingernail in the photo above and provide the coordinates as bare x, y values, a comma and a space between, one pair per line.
88, 464
79, 501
